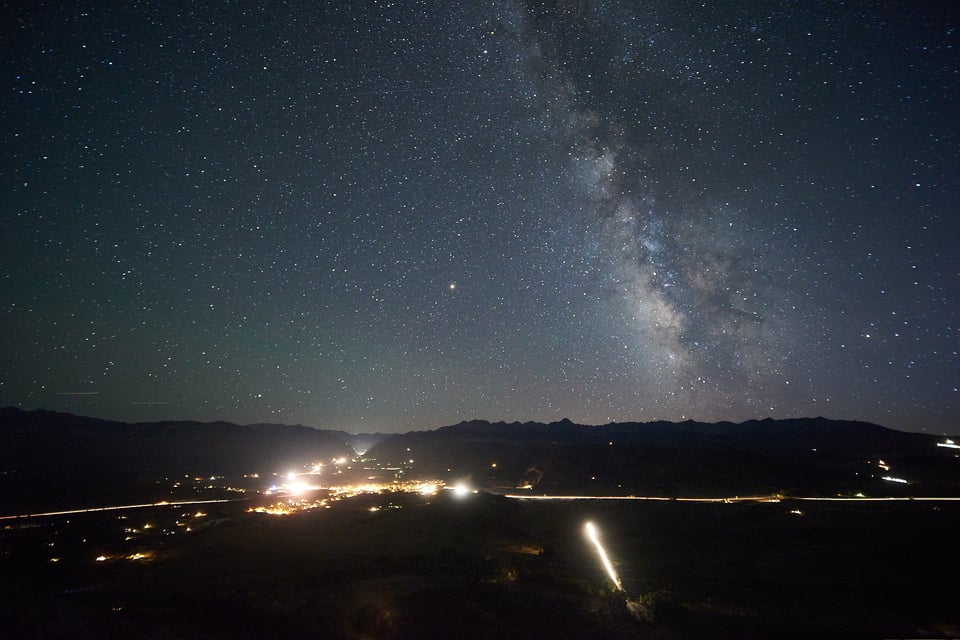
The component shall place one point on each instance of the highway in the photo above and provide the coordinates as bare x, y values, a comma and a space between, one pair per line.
122, 507
521, 496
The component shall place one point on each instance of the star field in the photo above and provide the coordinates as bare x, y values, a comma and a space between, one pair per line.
397, 215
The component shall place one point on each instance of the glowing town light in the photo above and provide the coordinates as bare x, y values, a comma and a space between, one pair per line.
427, 488
950, 444
591, 532
297, 488
892, 479
461, 490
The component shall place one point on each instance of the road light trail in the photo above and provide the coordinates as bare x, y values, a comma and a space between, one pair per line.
516, 496
591, 532
121, 507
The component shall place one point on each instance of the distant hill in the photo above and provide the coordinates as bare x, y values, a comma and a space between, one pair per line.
59, 459
68, 442
813, 456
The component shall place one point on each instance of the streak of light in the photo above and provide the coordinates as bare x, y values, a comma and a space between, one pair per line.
516, 496
884, 499
591, 532
121, 507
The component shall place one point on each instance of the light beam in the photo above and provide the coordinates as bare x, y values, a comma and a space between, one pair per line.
591, 531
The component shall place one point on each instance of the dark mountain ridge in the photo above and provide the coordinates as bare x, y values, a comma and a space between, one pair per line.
786, 434
66, 441
803, 456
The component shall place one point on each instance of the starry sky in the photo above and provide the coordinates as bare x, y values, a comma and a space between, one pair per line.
389, 216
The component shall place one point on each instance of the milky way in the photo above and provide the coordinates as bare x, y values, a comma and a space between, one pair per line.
399, 215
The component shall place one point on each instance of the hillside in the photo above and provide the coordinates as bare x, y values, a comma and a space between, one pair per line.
812, 456
59, 459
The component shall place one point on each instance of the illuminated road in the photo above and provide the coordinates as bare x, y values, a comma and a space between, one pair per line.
121, 507
516, 496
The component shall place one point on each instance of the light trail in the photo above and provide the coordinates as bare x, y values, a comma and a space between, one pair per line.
733, 499
517, 496
121, 507
886, 499
591, 531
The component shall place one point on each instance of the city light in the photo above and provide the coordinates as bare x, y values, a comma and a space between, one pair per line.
591, 531
462, 490
427, 488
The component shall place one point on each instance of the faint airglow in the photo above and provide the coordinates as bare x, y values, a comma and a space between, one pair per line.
591, 532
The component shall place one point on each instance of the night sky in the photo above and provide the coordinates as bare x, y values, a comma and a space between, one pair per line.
398, 215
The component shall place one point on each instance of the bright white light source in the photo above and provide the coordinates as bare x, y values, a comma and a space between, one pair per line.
296, 488
949, 444
892, 479
461, 490
591, 531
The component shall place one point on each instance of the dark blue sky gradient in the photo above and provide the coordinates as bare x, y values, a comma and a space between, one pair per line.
392, 216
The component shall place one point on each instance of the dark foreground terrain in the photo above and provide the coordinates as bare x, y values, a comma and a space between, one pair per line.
397, 565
